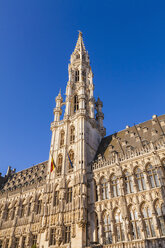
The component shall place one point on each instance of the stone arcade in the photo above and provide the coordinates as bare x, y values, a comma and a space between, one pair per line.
104, 191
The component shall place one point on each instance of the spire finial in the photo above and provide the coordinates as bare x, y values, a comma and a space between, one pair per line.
80, 33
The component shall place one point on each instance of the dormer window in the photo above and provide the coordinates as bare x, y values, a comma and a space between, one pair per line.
76, 103
76, 75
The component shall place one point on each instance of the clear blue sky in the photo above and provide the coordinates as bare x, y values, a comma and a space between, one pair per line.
126, 44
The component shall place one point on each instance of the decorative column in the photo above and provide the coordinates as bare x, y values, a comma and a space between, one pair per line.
57, 110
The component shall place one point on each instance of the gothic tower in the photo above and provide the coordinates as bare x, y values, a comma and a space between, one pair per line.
75, 140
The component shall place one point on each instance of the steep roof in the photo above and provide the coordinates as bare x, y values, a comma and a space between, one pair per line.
132, 138
34, 175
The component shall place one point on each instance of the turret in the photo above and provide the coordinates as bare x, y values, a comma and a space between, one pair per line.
58, 110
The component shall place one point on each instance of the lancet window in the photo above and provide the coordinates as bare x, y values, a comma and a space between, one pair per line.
34, 239
71, 160
22, 210
160, 215
38, 206
140, 179
72, 134
53, 236
56, 196
153, 176
76, 75
107, 229
135, 223
128, 182
119, 226
148, 221
62, 136
16, 243
115, 186
67, 234
69, 194
104, 189
59, 164
76, 103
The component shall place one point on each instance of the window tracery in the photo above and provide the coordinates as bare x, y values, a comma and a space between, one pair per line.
59, 164
72, 134
128, 182
134, 223
104, 189
140, 179
107, 229
153, 176
62, 136
119, 226
161, 217
69, 194
115, 186
76, 75
148, 221
76, 103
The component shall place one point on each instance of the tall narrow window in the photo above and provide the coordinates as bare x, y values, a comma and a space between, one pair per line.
119, 226
53, 236
59, 164
153, 176
128, 182
16, 242
96, 228
29, 208
23, 242
84, 76
104, 189
148, 220
95, 191
38, 207
76, 103
140, 179
22, 211
56, 196
67, 234
70, 160
69, 194
7, 243
76, 75
160, 216
107, 229
7, 213
34, 239
115, 186
72, 134
135, 223
62, 136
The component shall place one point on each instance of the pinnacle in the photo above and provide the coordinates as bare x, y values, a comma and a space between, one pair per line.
80, 44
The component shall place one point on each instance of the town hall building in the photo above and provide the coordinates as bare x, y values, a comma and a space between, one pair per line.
95, 191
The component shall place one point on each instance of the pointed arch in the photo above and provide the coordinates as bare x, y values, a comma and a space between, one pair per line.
119, 225
107, 232
62, 137
134, 219
115, 189
148, 220
152, 176
160, 216
140, 181
128, 182
72, 134
104, 189
59, 164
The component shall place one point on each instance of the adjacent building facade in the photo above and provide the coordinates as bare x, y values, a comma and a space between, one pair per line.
94, 191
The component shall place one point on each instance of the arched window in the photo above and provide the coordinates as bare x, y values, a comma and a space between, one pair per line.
69, 194
59, 164
96, 228
62, 136
38, 207
107, 229
148, 220
71, 160
22, 210
56, 197
115, 186
135, 223
104, 189
72, 134
128, 182
140, 179
160, 216
153, 176
95, 191
76, 75
76, 103
119, 226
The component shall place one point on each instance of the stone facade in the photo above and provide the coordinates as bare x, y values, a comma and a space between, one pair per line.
104, 192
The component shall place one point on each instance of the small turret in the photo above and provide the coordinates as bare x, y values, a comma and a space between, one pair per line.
100, 115
58, 109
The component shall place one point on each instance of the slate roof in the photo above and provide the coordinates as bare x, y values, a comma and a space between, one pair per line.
132, 138
31, 176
